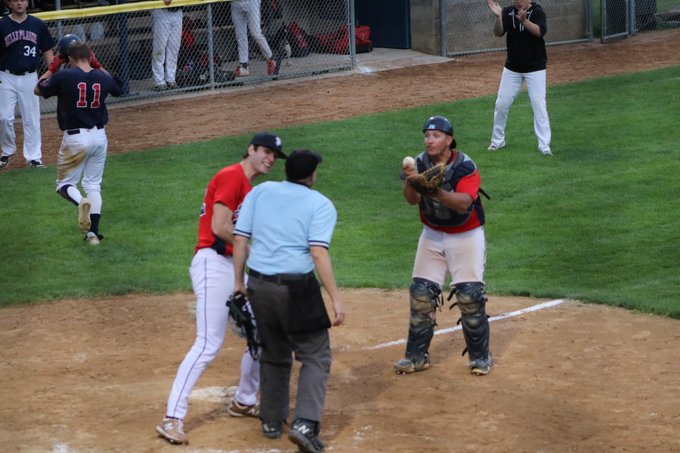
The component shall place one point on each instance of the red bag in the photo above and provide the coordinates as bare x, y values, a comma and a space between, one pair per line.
338, 41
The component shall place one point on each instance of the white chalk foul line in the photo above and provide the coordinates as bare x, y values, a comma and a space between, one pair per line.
537, 307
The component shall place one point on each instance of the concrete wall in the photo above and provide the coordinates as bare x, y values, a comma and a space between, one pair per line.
469, 24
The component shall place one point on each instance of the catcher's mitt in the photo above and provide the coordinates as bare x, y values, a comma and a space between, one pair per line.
428, 182
242, 321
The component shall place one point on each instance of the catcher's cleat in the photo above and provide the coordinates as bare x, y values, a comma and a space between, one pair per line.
236, 409
272, 430
407, 366
172, 430
84, 215
481, 367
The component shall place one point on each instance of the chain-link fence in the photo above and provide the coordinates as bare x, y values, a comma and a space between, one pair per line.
621, 18
200, 48
467, 24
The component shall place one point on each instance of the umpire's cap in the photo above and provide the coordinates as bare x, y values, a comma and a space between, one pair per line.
65, 42
270, 141
301, 164
439, 123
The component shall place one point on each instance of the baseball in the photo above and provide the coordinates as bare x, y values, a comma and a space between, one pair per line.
408, 162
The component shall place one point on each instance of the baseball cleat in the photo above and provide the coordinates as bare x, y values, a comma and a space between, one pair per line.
84, 215
236, 409
35, 164
493, 147
92, 238
546, 152
172, 430
407, 366
481, 367
241, 71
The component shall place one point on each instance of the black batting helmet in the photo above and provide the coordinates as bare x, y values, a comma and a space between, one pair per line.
65, 42
439, 123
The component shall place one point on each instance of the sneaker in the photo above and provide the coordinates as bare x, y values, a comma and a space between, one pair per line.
546, 152
172, 430
304, 434
4, 161
35, 164
493, 147
481, 367
161, 87
271, 66
407, 366
241, 71
93, 239
272, 430
236, 409
84, 215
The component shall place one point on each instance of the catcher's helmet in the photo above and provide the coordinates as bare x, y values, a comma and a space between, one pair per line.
439, 123
65, 42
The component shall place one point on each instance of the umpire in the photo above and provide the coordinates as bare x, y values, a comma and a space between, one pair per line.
290, 228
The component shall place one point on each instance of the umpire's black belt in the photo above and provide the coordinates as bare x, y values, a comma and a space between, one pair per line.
78, 131
19, 73
281, 279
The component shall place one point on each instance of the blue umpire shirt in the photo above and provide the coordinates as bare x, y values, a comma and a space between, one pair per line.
283, 220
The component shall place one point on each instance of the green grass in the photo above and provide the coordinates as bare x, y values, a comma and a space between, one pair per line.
597, 222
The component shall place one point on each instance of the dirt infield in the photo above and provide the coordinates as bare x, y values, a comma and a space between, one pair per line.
93, 376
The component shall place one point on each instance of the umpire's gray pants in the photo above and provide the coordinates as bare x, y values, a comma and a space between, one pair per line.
270, 305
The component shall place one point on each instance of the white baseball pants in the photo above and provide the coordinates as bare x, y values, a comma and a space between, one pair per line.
245, 15
212, 278
167, 39
83, 155
462, 255
509, 88
15, 90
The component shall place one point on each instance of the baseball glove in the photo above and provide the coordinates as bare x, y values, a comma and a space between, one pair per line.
428, 182
243, 322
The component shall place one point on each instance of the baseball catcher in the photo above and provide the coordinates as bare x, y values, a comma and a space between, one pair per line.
242, 322
444, 183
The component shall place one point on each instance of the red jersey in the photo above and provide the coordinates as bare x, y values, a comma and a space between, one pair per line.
228, 187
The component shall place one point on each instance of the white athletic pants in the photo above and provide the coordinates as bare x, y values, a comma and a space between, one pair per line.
462, 255
15, 90
167, 38
83, 155
509, 88
245, 15
212, 278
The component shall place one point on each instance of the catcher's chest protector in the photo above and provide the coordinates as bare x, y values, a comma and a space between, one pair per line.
435, 212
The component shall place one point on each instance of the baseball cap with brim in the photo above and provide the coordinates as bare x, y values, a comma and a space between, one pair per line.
301, 164
270, 141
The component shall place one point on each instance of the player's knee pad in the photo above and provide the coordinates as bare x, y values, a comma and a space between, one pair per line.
471, 300
424, 298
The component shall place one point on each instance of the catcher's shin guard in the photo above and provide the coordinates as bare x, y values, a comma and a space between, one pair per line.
425, 296
471, 302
